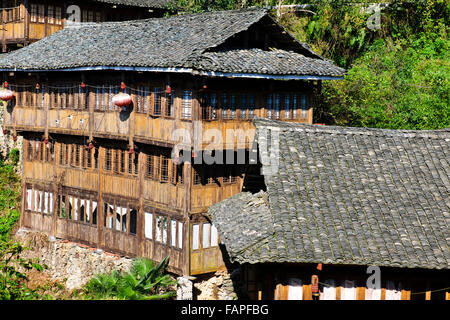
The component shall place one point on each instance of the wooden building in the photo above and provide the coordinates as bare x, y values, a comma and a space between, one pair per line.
329, 211
132, 180
26, 21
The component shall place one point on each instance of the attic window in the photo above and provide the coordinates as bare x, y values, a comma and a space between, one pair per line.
187, 105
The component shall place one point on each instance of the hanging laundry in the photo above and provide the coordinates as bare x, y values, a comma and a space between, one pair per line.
329, 290
348, 291
295, 289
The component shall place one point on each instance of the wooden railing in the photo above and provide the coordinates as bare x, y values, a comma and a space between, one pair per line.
15, 14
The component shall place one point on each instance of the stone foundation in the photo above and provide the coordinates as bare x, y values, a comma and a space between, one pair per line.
218, 286
72, 264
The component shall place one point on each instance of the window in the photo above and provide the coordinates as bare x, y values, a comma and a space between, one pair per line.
173, 233
251, 106
108, 159
269, 106
133, 163
34, 13
148, 225
233, 106
304, 107
177, 173
206, 235
197, 175
116, 160
169, 112
142, 97
294, 106
41, 13
58, 15
157, 101
195, 237
161, 229
39, 199
150, 166
186, 112
224, 106
164, 177
243, 108
180, 235
287, 106
51, 14
276, 105
209, 107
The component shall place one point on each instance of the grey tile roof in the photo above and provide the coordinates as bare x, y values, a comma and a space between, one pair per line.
173, 42
266, 62
339, 195
160, 4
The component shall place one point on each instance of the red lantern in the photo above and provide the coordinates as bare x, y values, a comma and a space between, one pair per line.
5, 84
83, 85
315, 286
319, 267
6, 95
131, 151
38, 86
121, 99
91, 146
205, 87
46, 141
122, 86
168, 89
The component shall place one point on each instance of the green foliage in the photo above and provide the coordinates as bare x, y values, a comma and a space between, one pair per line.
144, 281
12, 280
14, 156
9, 197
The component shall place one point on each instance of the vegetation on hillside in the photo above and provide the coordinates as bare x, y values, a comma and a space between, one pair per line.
12, 267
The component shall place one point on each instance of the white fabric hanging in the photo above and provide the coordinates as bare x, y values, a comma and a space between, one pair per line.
29, 199
180, 235
348, 291
45, 209
295, 289
173, 233
214, 236
148, 225
391, 291
373, 294
329, 291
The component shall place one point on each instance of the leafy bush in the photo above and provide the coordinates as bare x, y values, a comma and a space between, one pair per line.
144, 281
12, 281
14, 156
9, 198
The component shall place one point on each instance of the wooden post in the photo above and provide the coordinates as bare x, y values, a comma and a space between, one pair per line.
26, 21
140, 219
57, 151
428, 291
101, 156
3, 31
